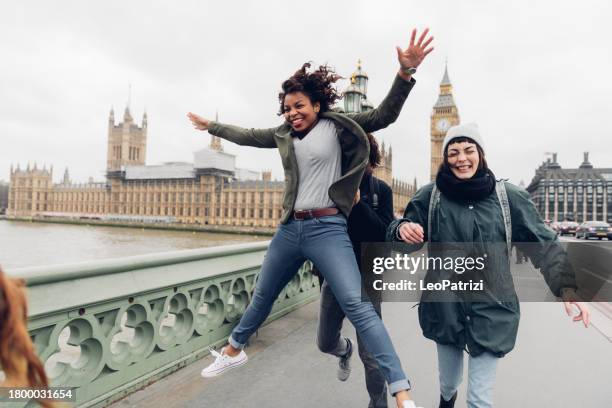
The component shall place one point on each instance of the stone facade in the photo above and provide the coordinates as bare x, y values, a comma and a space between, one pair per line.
210, 191
582, 194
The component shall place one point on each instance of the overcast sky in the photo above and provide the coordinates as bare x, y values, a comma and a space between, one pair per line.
535, 75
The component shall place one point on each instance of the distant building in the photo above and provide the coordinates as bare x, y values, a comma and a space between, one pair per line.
4, 192
211, 190
582, 194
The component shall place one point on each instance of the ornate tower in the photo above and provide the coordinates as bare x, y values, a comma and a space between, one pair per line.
384, 171
443, 116
355, 96
127, 142
355, 100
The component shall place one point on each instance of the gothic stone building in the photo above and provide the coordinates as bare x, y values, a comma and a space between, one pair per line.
211, 190
582, 194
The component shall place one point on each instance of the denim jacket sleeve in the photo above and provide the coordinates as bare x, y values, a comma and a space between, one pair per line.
389, 109
244, 137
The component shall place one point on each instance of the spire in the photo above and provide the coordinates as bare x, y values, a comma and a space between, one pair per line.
66, 179
11, 168
144, 119
127, 116
445, 98
445, 78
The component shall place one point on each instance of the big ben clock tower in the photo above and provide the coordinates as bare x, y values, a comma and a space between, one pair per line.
443, 116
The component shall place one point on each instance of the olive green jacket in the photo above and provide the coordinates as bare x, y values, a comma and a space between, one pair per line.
352, 129
485, 325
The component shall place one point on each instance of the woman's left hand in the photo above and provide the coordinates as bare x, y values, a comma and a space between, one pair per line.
416, 52
585, 313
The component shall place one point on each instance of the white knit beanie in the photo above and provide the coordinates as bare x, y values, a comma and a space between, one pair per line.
467, 130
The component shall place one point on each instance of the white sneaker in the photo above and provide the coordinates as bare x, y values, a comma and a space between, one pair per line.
223, 363
409, 404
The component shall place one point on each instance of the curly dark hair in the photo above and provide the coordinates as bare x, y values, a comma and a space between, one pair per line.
317, 85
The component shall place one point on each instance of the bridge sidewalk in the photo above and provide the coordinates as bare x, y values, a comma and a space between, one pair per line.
556, 363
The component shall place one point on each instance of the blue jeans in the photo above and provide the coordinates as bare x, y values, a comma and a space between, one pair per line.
330, 341
326, 243
481, 375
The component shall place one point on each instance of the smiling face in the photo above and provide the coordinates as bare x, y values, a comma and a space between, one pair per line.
463, 159
299, 111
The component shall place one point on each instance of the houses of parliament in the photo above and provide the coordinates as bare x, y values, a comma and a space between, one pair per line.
209, 191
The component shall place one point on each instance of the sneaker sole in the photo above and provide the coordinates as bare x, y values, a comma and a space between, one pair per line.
224, 369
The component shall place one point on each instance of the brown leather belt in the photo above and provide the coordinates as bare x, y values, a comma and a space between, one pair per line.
314, 213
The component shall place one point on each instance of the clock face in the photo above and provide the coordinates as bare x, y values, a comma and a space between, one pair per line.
442, 125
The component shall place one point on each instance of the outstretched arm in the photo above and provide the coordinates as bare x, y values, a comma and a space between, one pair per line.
235, 134
389, 109
543, 248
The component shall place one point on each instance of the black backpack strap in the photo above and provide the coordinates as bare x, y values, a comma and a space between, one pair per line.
374, 192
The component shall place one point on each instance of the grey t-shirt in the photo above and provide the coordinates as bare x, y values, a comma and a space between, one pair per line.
319, 161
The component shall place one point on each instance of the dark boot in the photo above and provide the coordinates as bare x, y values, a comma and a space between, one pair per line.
448, 404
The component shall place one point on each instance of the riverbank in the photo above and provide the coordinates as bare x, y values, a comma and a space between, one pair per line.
225, 229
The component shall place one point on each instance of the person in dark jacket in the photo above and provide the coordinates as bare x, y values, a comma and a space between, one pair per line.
467, 204
367, 223
324, 155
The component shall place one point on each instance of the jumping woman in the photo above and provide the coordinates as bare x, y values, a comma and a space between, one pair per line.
324, 155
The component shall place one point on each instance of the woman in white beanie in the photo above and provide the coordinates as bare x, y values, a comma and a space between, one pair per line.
467, 204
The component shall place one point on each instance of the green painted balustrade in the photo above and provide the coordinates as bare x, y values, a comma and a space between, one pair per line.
110, 327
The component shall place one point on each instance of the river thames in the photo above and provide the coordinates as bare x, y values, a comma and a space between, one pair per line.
24, 244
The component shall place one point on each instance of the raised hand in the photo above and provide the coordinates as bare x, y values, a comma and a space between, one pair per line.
416, 52
198, 122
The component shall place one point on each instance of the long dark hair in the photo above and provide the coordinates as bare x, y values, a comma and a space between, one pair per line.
375, 156
317, 85
482, 162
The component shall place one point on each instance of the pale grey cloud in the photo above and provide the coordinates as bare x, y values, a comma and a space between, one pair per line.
534, 75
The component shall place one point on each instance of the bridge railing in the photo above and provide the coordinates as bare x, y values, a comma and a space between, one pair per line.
110, 327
